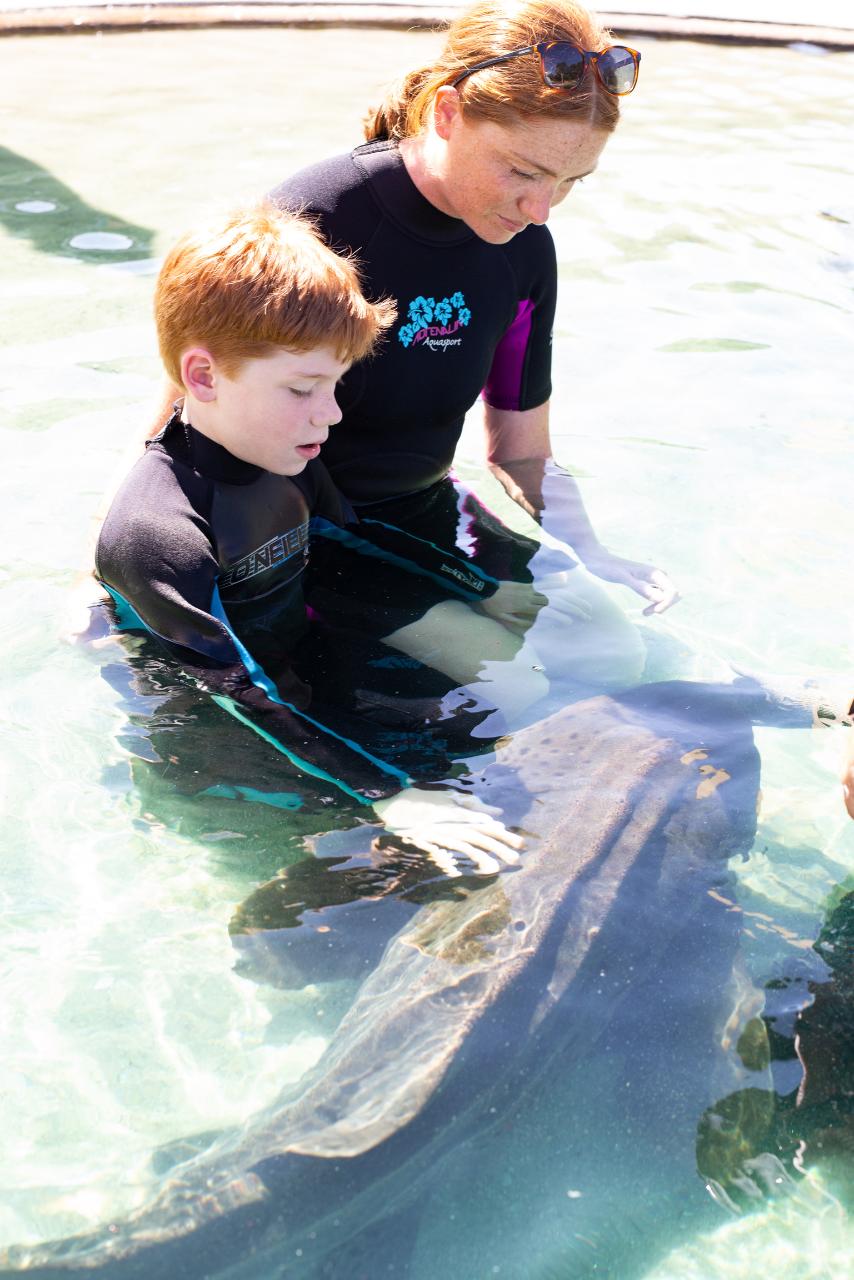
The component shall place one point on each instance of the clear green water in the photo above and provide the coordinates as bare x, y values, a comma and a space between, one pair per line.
703, 391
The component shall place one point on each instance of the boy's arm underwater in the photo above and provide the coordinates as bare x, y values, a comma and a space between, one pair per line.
513, 604
444, 611
160, 570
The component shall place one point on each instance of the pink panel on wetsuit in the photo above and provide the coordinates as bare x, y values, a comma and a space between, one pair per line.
503, 387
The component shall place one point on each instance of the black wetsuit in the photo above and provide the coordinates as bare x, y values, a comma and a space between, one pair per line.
472, 317
207, 554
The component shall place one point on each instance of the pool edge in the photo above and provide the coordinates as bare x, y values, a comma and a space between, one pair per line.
88, 18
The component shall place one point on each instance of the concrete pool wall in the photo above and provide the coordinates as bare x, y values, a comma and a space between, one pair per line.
831, 24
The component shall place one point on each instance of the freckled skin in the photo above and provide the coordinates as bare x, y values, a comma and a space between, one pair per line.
499, 178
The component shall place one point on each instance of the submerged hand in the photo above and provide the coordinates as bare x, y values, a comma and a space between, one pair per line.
651, 583
563, 598
450, 825
515, 605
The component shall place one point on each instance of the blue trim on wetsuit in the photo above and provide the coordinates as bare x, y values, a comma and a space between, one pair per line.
229, 705
126, 616
263, 682
129, 619
174, 553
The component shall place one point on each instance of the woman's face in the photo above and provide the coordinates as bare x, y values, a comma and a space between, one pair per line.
500, 178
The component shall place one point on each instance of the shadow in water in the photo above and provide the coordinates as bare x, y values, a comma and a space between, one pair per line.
38, 207
755, 1142
330, 917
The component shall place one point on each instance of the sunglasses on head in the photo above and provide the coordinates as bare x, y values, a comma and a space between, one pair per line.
563, 65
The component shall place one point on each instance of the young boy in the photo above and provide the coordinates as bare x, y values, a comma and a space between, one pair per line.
206, 543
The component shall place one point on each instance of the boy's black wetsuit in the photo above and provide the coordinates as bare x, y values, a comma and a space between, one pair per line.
472, 317
207, 554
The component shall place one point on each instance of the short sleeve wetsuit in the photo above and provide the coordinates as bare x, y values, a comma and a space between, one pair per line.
207, 554
472, 317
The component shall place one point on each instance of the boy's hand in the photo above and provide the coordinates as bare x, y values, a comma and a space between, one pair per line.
515, 605
450, 826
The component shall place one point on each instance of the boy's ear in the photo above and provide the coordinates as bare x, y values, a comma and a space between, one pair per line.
198, 374
446, 110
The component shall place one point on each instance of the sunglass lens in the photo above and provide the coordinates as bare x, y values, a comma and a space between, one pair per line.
563, 65
618, 69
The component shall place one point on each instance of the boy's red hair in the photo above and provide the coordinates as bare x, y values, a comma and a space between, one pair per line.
259, 281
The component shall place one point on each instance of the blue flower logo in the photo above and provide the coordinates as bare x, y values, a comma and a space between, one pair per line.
421, 311
426, 312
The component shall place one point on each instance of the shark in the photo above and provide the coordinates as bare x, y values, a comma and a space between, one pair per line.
481, 1007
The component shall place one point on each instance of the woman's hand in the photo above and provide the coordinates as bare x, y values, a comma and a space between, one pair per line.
451, 826
651, 583
566, 604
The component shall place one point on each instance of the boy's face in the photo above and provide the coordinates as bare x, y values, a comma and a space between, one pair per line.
276, 411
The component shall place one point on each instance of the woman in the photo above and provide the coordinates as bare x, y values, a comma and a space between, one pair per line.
445, 208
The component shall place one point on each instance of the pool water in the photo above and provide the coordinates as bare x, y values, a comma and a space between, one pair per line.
703, 394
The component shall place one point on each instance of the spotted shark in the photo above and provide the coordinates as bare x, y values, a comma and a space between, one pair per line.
478, 1012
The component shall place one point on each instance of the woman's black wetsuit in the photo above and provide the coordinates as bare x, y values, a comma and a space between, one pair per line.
472, 317
207, 554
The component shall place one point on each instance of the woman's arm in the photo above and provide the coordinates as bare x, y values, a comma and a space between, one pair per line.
519, 455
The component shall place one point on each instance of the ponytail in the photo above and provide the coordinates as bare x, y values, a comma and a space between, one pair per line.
510, 90
391, 119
